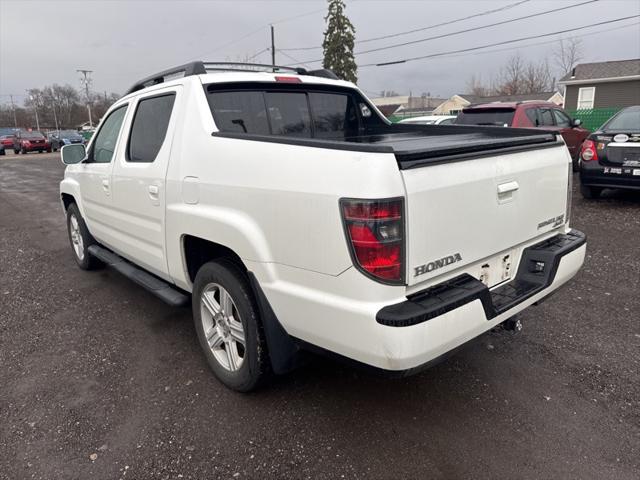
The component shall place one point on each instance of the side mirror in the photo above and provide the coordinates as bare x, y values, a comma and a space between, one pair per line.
576, 122
74, 153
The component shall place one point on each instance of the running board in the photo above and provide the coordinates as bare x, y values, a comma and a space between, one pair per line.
161, 289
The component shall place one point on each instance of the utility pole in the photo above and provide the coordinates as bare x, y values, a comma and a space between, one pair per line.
85, 80
53, 107
13, 107
34, 99
273, 49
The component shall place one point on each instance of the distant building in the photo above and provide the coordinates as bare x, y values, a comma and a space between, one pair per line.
407, 105
456, 103
613, 84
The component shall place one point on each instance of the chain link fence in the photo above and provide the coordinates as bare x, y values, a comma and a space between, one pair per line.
593, 118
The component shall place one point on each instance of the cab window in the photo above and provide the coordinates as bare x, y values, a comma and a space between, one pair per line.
562, 120
104, 145
149, 127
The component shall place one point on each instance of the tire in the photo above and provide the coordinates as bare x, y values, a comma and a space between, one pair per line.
23, 151
575, 164
590, 193
80, 240
221, 287
16, 151
2, 151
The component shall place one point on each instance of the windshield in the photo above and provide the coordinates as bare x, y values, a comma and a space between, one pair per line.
32, 135
627, 120
486, 116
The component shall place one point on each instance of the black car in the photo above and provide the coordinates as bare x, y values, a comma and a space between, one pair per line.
64, 137
610, 157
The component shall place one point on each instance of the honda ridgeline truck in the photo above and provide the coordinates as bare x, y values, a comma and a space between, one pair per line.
294, 216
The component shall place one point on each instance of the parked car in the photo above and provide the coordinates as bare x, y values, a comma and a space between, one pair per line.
292, 216
610, 156
430, 120
528, 114
6, 141
58, 139
25, 142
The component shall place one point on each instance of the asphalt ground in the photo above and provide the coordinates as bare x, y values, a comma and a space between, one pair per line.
100, 380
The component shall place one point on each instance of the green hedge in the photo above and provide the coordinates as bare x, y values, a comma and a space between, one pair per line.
593, 118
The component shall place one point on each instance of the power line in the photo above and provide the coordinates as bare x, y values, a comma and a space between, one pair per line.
467, 30
407, 32
440, 54
533, 44
291, 58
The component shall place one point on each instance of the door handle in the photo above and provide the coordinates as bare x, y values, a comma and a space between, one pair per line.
508, 187
105, 185
154, 190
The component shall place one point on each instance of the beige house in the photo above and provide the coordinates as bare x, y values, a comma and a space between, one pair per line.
407, 104
454, 104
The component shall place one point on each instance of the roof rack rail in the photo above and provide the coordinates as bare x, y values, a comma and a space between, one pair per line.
199, 67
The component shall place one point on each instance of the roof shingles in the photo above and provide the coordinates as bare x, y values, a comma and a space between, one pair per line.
613, 69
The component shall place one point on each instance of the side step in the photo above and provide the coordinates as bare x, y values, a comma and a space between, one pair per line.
158, 287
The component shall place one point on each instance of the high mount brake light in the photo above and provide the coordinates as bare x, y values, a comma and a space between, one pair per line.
589, 152
375, 233
288, 79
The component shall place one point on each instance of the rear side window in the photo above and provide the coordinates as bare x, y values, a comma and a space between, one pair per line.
149, 128
289, 114
546, 117
532, 116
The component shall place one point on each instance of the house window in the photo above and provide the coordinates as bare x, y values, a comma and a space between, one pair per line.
586, 97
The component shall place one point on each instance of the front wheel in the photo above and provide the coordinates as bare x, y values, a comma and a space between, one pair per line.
80, 239
590, 192
228, 326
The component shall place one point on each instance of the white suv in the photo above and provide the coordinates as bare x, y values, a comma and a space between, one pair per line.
294, 216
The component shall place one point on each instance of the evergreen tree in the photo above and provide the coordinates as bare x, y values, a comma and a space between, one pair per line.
338, 43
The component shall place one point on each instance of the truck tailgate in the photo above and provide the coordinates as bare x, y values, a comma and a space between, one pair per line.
462, 212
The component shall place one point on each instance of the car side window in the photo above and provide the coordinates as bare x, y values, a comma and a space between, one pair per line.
149, 127
562, 119
532, 115
546, 117
104, 145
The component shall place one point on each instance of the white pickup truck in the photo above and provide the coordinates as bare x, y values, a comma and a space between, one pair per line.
294, 216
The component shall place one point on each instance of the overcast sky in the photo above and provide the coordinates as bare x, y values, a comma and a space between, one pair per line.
44, 42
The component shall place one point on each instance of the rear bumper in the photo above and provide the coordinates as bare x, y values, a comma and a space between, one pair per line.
438, 320
593, 174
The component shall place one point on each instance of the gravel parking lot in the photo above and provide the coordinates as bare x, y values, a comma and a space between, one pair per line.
101, 380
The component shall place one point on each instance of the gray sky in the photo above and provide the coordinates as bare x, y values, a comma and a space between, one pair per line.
122, 41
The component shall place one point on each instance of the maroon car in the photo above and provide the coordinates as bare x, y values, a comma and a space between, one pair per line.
25, 142
6, 141
528, 114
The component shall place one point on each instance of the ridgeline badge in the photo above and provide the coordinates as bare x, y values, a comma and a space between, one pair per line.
436, 264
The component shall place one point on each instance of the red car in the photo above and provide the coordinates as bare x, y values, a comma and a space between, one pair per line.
6, 141
25, 142
528, 114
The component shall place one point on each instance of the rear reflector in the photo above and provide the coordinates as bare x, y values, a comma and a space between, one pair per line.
288, 79
375, 233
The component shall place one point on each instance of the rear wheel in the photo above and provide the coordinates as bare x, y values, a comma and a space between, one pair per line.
228, 326
23, 151
590, 192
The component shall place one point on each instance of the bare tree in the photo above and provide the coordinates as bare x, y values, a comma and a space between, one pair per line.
476, 87
567, 53
511, 75
537, 78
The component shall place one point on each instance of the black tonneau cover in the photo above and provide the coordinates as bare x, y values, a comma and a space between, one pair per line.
420, 145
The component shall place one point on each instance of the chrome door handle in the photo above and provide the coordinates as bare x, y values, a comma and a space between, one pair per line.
154, 190
508, 187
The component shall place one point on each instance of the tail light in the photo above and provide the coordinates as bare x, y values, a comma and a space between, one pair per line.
375, 232
589, 152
